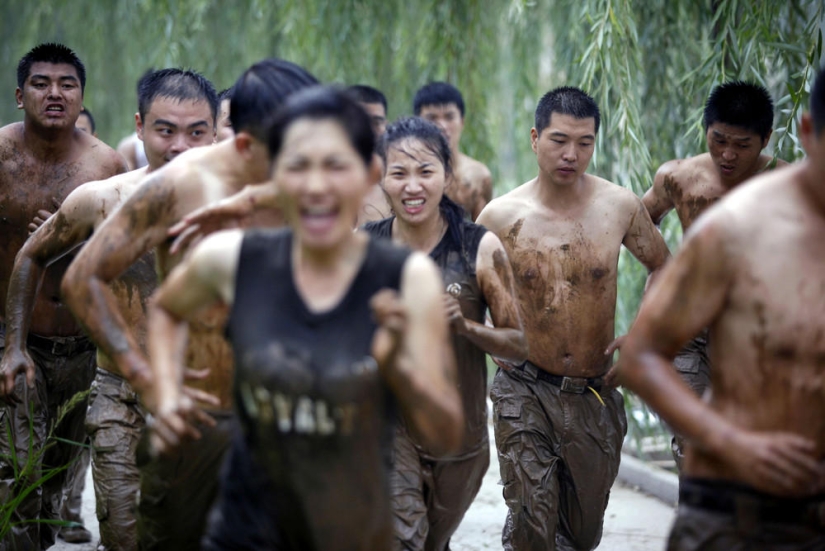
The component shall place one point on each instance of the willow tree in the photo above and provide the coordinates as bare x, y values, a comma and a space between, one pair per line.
649, 63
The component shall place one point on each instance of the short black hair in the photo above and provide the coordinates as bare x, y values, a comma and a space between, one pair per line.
566, 100
88, 113
742, 104
321, 103
50, 53
422, 130
367, 94
177, 84
260, 92
818, 102
437, 93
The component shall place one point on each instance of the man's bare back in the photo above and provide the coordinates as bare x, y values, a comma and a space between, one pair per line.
29, 183
471, 185
565, 263
690, 186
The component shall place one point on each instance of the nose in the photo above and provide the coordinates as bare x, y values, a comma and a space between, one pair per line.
54, 91
412, 185
179, 144
569, 153
315, 182
728, 154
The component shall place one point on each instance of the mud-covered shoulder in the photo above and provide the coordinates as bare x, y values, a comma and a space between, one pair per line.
9, 140
503, 210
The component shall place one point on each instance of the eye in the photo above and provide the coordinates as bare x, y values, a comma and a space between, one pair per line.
165, 131
556, 141
198, 133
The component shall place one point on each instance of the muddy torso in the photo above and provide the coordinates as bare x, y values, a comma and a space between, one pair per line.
456, 256
769, 342
467, 186
693, 187
315, 409
26, 186
565, 269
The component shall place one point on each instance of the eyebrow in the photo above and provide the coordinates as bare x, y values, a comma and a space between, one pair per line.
718, 134
164, 122
47, 77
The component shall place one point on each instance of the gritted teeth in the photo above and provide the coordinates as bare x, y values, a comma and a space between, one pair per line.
54, 108
413, 202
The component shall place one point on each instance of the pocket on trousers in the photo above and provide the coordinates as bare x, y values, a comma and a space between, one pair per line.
508, 409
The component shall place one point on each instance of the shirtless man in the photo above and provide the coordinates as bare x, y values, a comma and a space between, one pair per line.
751, 269
558, 424
176, 491
472, 184
374, 102
176, 111
737, 120
43, 159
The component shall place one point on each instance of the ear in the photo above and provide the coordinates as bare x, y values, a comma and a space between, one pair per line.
767, 139
806, 132
534, 138
139, 126
18, 96
243, 144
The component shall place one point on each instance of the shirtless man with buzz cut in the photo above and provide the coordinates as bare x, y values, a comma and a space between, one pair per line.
177, 489
751, 269
471, 186
176, 111
738, 118
559, 424
42, 160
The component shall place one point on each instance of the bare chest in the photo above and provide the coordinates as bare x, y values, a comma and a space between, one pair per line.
693, 197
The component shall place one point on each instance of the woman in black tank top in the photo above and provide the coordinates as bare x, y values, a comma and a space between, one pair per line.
431, 493
331, 330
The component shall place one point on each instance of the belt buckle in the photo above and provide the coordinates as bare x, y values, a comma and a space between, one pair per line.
59, 349
574, 385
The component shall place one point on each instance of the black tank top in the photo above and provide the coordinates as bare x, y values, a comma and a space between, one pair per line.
315, 410
456, 255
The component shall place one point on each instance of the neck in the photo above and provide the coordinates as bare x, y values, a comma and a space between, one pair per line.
330, 259
550, 193
46, 142
421, 237
235, 170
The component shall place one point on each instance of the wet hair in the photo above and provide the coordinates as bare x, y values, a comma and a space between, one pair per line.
261, 91
433, 140
437, 93
818, 103
324, 103
226, 93
50, 53
367, 94
91, 118
178, 84
741, 104
566, 100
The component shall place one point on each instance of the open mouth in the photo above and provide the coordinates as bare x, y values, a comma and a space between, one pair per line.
319, 218
413, 206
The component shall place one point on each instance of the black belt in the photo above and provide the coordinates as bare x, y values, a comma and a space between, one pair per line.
575, 385
61, 346
745, 504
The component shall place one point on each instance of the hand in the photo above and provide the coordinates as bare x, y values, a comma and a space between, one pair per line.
454, 315
504, 364
176, 421
15, 361
41, 216
612, 375
779, 463
224, 214
197, 394
391, 317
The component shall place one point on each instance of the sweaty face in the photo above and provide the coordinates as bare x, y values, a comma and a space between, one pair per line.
414, 181
172, 126
735, 151
564, 148
84, 124
51, 95
322, 180
448, 118
225, 130
378, 117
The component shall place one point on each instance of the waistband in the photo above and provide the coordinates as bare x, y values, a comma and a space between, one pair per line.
61, 346
574, 385
745, 503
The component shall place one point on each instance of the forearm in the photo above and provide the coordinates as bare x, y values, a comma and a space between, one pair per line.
24, 283
503, 342
167, 338
95, 306
259, 196
432, 407
655, 380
